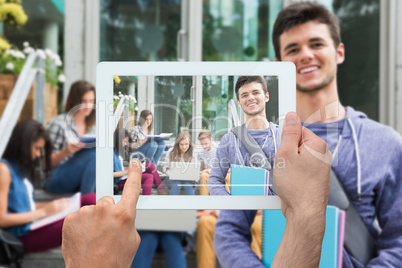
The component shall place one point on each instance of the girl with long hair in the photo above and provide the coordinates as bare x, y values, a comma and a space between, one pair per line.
182, 151
152, 150
18, 208
150, 175
74, 165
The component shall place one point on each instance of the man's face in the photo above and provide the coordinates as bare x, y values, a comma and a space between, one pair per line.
252, 99
310, 47
206, 144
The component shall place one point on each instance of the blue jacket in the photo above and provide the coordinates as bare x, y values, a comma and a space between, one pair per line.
380, 157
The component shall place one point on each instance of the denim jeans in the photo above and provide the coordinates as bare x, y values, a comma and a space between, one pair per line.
77, 174
170, 243
175, 190
152, 150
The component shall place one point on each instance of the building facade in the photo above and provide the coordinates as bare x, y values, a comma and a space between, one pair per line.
370, 79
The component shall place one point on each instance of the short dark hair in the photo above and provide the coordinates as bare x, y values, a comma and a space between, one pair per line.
244, 80
143, 117
77, 91
300, 13
19, 147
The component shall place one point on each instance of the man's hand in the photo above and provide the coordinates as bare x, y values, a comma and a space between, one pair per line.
301, 179
104, 235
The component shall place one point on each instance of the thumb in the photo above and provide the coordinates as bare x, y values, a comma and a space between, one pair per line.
291, 134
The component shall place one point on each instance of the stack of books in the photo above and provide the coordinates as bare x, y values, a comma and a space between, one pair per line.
273, 227
254, 181
248, 180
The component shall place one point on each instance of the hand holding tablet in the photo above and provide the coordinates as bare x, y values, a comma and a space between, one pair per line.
104, 235
106, 229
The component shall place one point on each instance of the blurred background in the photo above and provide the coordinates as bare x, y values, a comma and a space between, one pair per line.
72, 36
84, 33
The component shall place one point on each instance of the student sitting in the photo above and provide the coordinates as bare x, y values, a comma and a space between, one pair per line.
150, 175
18, 208
182, 151
206, 156
74, 165
151, 149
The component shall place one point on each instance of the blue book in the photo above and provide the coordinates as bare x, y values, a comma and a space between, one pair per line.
273, 227
88, 138
248, 180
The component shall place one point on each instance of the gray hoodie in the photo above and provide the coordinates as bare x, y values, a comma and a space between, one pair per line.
372, 178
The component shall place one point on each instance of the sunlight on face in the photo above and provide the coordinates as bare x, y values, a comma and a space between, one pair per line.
148, 120
184, 145
87, 103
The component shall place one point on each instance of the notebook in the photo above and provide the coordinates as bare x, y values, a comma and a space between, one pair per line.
273, 227
185, 171
162, 136
248, 180
75, 204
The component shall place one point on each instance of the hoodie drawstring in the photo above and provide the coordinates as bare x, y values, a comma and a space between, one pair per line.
359, 187
359, 190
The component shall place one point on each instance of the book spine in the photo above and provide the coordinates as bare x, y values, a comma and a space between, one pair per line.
263, 247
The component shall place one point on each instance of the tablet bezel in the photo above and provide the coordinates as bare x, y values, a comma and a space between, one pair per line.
286, 73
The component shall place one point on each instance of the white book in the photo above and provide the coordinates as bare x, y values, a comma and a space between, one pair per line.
162, 136
75, 204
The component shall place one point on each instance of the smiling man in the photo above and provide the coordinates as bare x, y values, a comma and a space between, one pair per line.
367, 155
252, 95
365, 152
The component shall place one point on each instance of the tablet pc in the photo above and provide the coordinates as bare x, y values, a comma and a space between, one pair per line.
184, 79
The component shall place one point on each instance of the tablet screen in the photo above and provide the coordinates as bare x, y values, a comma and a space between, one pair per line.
174, 117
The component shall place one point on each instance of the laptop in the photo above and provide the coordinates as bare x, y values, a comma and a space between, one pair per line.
185, 171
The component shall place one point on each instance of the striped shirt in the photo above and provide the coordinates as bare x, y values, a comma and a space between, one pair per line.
137, 133
63, 130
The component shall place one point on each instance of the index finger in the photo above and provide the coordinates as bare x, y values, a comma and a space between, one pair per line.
132, 187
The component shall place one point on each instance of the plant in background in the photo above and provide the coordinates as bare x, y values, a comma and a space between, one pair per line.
132, 102
11, 12
116, 80
4, 44
12, 61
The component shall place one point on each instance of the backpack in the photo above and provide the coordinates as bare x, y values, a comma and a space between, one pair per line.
359, 243
11, 250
